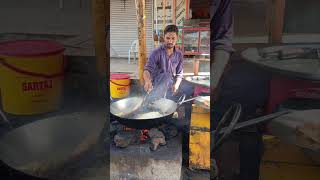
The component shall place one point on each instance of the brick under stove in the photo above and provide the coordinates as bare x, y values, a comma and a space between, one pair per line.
138, 161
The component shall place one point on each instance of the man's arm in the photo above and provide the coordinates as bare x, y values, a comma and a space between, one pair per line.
221, 38
221, 59
146, 76
148, 69
179, 71
221, 25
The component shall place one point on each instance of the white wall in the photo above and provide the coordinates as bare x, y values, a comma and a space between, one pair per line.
45, 16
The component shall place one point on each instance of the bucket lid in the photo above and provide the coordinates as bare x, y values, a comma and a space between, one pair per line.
30, 48
119, 76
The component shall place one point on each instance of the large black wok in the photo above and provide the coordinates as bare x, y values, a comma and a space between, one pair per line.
41, 147
153, 115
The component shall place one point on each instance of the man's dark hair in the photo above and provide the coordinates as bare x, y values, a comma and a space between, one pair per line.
171, 28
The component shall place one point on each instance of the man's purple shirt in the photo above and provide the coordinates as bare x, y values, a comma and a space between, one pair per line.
159, 62
221, 25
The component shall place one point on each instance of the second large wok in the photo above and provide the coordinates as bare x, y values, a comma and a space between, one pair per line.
41, 147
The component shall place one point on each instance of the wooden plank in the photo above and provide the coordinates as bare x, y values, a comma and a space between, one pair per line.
187, 9
107, 27
100, 10
164, 4
196, 67
276, 21
199, 139
141, 18
174, 11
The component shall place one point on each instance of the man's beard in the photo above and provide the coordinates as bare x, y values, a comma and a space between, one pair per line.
169, 46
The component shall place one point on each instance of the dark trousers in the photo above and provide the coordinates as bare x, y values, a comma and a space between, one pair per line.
242, 83
248, 85
185, 89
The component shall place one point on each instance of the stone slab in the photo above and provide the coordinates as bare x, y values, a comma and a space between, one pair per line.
139, 162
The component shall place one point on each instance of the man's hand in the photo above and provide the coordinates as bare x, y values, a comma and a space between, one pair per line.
176, 85
175, 88
147, 81
148, 86
218, 68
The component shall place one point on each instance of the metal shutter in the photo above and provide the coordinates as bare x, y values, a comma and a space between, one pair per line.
123, 26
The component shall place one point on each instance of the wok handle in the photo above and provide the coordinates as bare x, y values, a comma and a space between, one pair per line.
184, 101
181, 99
191, 99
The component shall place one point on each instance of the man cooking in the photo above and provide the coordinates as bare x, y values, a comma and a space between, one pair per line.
234, 82
163, 72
